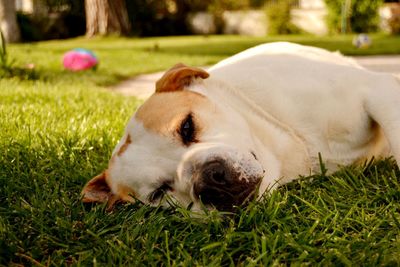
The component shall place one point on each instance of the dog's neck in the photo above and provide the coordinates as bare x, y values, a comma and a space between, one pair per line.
271, 135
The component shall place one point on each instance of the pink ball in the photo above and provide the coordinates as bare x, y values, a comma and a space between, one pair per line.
79, 59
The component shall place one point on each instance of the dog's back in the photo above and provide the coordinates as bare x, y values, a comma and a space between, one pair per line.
315, 92
285, 48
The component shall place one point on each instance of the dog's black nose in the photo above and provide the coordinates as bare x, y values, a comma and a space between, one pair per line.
215, 173
220, 186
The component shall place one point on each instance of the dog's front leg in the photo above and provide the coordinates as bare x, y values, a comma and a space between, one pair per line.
382, 102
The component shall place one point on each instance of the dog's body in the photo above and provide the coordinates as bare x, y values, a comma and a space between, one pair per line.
262, 117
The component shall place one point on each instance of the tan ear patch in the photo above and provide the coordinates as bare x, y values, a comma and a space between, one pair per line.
179, 76
97, 190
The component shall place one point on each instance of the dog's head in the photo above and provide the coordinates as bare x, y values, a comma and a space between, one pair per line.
181, 144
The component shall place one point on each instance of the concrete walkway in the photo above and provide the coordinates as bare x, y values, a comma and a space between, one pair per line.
142, 86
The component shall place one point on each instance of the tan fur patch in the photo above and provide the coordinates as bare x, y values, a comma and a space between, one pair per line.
123, 194
126, 193
178, 77
379, 146
97, 189
163, 113
128, 141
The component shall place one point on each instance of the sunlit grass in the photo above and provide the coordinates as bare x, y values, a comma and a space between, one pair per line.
121, 58
58, 131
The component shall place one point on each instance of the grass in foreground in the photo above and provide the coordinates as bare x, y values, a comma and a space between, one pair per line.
59, 131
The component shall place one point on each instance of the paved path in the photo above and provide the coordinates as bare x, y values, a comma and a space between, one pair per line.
142, 86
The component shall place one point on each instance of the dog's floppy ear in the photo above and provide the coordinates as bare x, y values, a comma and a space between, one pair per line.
178, 77
97, 190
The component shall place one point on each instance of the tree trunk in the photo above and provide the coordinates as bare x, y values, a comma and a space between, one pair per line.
105, 17
8, 21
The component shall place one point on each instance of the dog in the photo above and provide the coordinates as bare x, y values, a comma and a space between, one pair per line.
252, 122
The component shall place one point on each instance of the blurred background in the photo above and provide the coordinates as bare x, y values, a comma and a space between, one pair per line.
35, 20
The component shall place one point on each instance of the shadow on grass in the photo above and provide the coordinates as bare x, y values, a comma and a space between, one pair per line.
344, 218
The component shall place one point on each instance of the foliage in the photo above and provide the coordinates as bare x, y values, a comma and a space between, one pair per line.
59, 25
169, 17
358, 16
157, 18
63, 19
235, 4
279, 17
29, 31
217, 8
75, 7
394, 21
3, 51
257, 3
7, 68
147, 17
229, 4
394, 24
59, 19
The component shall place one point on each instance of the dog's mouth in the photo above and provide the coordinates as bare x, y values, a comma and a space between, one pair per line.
226, 200
224, 188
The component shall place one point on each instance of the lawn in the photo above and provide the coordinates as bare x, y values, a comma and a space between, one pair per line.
59, 130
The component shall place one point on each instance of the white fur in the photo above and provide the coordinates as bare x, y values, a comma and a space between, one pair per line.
327, 100
143, 164
285, 102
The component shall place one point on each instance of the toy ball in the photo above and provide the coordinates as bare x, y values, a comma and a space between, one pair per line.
362, 41
79, 59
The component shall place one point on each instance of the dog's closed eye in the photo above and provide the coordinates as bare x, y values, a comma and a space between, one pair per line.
160, 191
187, 130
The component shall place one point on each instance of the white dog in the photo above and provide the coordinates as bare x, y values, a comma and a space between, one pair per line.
253, 121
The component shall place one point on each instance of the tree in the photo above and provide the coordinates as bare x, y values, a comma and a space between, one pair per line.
104, 17
8, 21
353, 15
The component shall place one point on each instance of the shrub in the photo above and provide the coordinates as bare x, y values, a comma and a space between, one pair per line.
8, 70
394, 21
278, 16
394, 24
353, 16
57, 25
5, 65
217, 8
165, 17
257, 3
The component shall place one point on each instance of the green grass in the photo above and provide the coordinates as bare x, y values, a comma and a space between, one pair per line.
59, 131
122, 58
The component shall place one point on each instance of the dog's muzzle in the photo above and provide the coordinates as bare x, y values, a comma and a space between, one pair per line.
222, 186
